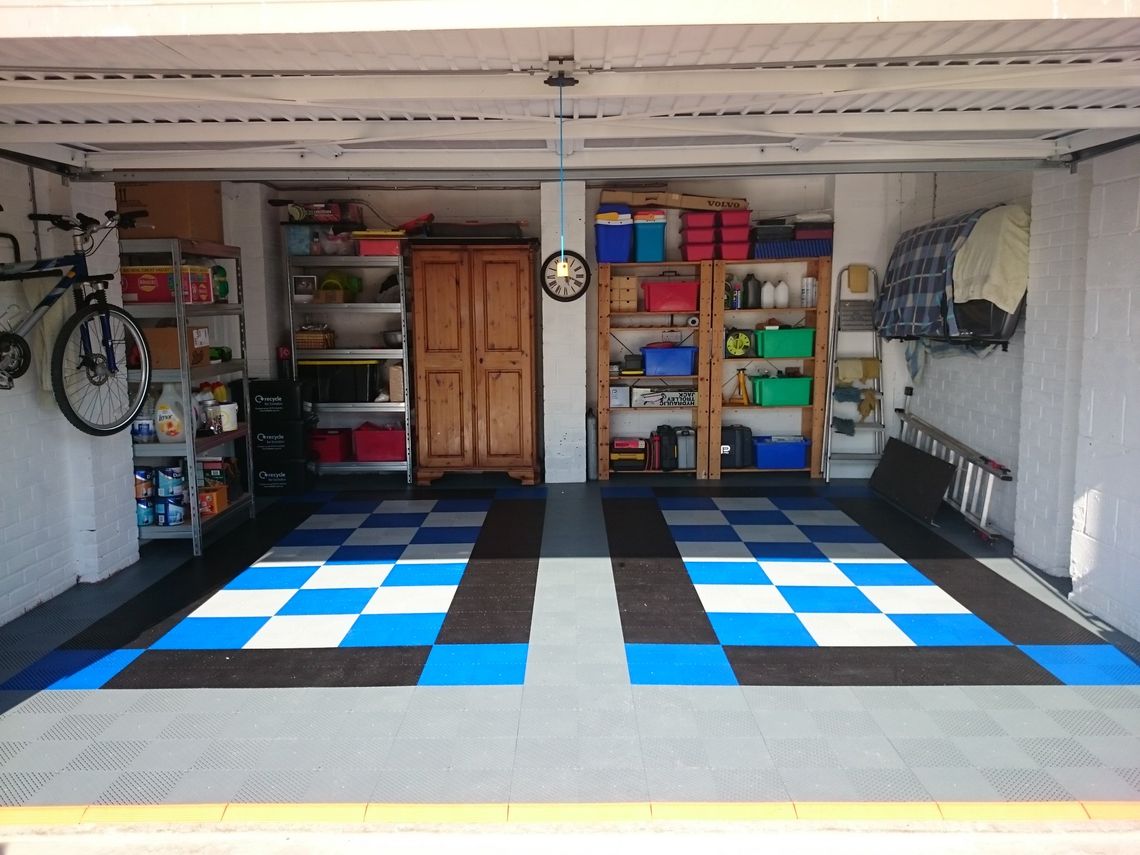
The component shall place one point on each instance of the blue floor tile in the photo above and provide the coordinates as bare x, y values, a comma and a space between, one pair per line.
785, 552
820, 599
316, 537
704, 534
71, 669
461, 505
883, 574
760, 630
680, 503
99, 673
425, 574
366, 555
627, 492
802, 503
756, 518
475, 665
837, 534
271, 578
726, 573
948, 630
207, 633
447, 534
394, 520
679, 665
417, 630
328, 601
1085, 664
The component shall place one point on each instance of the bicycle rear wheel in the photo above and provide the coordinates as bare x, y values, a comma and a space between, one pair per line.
93, 388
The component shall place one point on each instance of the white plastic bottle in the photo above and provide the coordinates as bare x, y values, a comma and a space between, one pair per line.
169, 418
767, 295
783, 295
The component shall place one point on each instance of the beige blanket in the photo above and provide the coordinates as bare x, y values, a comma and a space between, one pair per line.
993, 263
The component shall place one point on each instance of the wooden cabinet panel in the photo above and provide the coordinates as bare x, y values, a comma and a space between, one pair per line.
445, 423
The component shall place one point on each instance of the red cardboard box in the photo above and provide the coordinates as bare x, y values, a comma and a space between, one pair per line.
156, 284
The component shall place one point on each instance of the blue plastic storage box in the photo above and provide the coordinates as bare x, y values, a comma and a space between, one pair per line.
780, 452
614, 240
812, 248
648, 241
679, 361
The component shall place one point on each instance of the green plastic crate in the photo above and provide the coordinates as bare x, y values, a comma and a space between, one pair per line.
791, 343
781, 391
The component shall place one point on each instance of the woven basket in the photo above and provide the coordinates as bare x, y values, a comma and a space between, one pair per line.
314, 339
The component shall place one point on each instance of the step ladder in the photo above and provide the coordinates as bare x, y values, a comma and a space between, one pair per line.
854, 316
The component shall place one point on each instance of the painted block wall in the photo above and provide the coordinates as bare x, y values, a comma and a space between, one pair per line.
72, 516
1105, 562
977, 401
1050, 392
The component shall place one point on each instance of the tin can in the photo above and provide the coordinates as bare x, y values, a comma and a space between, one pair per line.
144, 511
171, 481
142, 431
168, 511
144, 483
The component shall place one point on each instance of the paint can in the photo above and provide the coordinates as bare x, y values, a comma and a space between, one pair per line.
229, 417
144, 511
171, 481
144, 483
168, 510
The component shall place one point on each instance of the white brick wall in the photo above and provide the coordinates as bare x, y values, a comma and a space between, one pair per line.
253, 226
1050, 395
1105, 560
977, 401
72, 517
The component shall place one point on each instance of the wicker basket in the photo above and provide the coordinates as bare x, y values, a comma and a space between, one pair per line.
314, 339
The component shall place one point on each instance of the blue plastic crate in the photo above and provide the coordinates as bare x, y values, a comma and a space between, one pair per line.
677, 361
780, 453
813, 248
648, 241
614, 243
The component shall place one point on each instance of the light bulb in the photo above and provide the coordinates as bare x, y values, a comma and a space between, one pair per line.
562, 269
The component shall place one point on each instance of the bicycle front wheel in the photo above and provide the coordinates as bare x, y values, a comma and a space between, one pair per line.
89, 375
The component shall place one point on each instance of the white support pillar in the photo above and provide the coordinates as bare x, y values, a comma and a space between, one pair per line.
564, 344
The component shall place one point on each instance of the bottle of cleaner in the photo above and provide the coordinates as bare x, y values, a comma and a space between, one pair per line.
767, 295
169, 418
783, 295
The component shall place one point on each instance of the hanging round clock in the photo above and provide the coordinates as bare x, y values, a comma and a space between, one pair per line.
565, 276
737, 343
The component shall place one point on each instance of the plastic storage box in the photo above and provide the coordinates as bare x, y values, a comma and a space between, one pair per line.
733, 251
729, 219
614, 242
792, 249
670, 295
699, 235
648, 241
781, 391
698, 251
331, 445
678, 361
379, 443
698, 219
780, 452
790, 343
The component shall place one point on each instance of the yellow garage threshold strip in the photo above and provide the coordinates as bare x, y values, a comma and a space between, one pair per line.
602, 812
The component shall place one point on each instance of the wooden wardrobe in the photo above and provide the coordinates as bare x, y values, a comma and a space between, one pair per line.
474, 360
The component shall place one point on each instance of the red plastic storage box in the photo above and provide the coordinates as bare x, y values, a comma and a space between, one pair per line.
698, 219
331, 445
670, 295
698, 251
379, 246
698, 235
379, 443
734, 251
734, 234
730, 219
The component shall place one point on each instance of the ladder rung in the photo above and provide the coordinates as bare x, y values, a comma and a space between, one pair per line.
853, 455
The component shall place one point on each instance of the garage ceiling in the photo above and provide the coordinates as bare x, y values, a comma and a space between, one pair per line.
699, 99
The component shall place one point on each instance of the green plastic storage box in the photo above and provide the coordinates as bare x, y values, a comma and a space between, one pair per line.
781, 391
790, 343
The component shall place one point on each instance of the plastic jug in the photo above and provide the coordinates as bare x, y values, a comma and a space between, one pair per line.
169, 417
767, 295
783, 295
751, 292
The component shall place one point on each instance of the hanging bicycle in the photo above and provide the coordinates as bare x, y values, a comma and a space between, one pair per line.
100, 365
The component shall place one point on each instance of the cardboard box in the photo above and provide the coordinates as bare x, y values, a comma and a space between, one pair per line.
175, 209
213, 499
164, 344
396, 383
673, 396
619, 396
672, 200
155, 284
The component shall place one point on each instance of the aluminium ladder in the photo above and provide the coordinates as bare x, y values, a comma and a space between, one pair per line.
854, 316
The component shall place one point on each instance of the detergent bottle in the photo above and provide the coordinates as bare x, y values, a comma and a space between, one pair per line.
169, 417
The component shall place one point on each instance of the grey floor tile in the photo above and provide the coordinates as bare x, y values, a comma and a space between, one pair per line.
274, 786
554, 674
152, 787
866, 752
170, 754
1028, 722
1110, 697
667, 723
1088, 723
907, 723
845, 723
726, 724
994, 751
749, 752
688, 785
610, 698
420, 754
341, 786
431, 724
240, 754
1115, 751
774, 698
477, 785
562, 697
73, 788
351, 754
196, 726
8, 750
16, 788
48, 703
1130, 775
831, 698
1095, 784
487, 723
887, 785
410, 785
103, 755
375, 698
783, 724
494, 697
546, 752
956, 785
604, 675
828, 784
1127, 717
73, 726
612, 723
802, 753
930, 752
886, 697
1026, 785
493, 753
47, 756
749, 785
664, 753
20, 727
134, 725
943, 698
1050, 752
966, 723
998, 697
1057, 697
609, 753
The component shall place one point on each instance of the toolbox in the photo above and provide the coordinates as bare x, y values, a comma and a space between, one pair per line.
735, 447
673, 294
686, 447
629, 454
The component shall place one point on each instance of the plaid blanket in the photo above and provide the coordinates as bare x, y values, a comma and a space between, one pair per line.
917, 298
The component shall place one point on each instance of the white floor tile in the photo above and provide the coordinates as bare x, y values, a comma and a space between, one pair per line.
711, 551
294, 556
819, 518
770, 534
854, 552
742, 598
694, 518
236, 603
455, 518
405, 506
744, 504
411, 599
349, 576
913, 600
445, 552
805, 573
854, 630
289, 631
334, 521
381, 537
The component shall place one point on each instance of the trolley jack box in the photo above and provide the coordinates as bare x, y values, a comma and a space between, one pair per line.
650, 396
164, 344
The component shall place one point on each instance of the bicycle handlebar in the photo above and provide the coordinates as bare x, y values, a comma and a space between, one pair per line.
41, 218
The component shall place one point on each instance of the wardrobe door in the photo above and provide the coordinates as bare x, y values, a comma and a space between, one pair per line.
444, 389
503, 298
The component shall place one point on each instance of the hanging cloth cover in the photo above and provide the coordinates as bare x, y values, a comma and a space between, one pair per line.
917, 297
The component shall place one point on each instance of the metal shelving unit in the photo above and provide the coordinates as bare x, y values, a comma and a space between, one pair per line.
175, 251
333, 312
